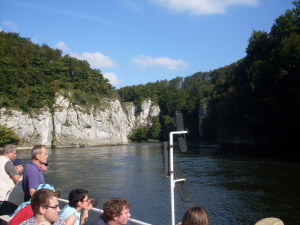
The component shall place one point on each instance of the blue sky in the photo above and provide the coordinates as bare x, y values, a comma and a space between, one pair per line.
139, 41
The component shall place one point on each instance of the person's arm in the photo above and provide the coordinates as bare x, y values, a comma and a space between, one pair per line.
12, 172
85, 212
71, 220
84, 216
31, 191
16, 178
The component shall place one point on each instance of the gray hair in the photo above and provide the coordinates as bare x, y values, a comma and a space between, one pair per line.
37, 149
9, 148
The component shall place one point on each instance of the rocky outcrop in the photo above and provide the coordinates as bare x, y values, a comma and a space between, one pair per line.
72, 125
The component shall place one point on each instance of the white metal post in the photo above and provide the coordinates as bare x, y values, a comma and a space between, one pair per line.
172, 181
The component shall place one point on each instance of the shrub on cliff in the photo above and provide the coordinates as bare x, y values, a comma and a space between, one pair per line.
7, 136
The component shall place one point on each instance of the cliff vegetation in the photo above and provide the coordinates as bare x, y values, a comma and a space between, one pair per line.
252, 101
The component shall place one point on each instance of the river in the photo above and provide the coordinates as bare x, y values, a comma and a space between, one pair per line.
236, 189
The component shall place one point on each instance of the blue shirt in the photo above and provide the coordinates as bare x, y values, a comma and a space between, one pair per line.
32, 177
68, 211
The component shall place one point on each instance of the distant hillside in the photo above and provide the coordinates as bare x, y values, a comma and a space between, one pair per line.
254, 101
30, 75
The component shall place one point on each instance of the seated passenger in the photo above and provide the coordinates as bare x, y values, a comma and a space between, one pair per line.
116, 212
24, 211
76, 212
46, 209
195, 215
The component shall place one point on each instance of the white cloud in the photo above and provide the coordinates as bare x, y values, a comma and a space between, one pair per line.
96, 59
168, 63
112, 77
62, 46
10, 25
202, 6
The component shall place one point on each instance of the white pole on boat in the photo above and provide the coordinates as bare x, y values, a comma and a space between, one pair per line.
172, 181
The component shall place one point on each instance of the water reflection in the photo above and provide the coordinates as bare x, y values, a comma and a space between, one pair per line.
235, 189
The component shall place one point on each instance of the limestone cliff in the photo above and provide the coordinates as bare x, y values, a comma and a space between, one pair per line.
71, 125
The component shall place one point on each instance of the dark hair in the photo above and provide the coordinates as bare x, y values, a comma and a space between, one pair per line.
76, 196
41, 198
114, 207
195, 215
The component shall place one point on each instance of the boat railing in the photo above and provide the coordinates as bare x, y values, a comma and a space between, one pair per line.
4, 219
100, 211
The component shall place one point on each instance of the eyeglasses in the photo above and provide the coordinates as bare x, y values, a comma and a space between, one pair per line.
52, 207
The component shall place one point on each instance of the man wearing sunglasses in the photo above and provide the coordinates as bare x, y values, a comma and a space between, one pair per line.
45, 166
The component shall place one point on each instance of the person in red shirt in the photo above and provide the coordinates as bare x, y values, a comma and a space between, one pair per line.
24, 214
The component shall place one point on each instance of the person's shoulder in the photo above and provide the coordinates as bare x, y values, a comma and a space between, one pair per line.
30, 167
98, 221
68, 211
30, 221
10, 169
9, 163
60, 221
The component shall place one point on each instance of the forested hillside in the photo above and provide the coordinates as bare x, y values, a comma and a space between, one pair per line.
253, 101
30, 75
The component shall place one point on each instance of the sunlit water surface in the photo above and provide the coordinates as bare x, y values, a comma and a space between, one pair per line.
235, 189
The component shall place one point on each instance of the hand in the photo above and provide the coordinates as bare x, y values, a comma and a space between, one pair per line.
92, 203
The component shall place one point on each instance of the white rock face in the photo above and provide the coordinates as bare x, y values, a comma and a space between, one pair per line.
72, 125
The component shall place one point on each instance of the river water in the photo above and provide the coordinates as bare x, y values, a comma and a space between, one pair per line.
235, 189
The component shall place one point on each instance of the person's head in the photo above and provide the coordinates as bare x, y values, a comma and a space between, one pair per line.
19, 165
195, 215
39, 153
10, 151
116, 209
78, 198
270, 221
45, 186
45, 205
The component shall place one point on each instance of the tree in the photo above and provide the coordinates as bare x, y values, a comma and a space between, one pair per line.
7, 136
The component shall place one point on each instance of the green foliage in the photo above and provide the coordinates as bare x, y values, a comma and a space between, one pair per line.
31, 75
7, 136
145, 133
139, 134
155, 129
256, 98
260, 99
